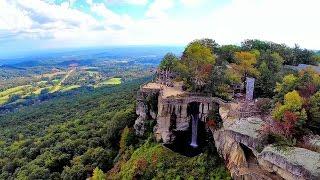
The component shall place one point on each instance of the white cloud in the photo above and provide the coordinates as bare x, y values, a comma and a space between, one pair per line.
111, 19
158, 8
285, 21
71, 2
193, 3
89, 2
12, 18
127, 2
137, 2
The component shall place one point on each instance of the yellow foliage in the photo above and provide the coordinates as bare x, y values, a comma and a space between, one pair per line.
98, 174
292, 102
288, 82
245, 62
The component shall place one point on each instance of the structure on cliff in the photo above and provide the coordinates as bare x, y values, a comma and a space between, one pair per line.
238, 141
173, 111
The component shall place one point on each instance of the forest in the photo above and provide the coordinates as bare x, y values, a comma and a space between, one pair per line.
83, 131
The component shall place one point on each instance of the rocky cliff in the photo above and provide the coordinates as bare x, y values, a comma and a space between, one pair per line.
171, 113
238, 141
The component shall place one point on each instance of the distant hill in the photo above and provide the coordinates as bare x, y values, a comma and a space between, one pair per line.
11, 67
141, 54
28, 64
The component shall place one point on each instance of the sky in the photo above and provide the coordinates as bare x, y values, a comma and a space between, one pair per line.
31, 25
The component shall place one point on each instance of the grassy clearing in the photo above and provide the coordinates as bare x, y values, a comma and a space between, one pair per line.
112, 81
56, 88
4, 99
15, 90
38, 90
68, 88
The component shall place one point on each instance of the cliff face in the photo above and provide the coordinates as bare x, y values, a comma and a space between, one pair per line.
147, 104
171, 112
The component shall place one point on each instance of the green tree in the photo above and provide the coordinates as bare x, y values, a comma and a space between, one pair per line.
292, 102
289, 83
226, 53
273, 60
245, 64
316, 59
169, 62
198, 60
98, 174
315, 112
206, 42
219, 82
127, 138
265, 84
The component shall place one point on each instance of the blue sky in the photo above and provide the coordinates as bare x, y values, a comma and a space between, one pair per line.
31, 25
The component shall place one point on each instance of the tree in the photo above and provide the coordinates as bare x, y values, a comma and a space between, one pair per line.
198, 59
245, 62
251, 44
98, 174
219, 82
226, 53
77, 171
127, 138
273, 60
316, 58
292, 102
169, 62
265, 85
208, 43
289, 83
315, 112
270, 65
291, 56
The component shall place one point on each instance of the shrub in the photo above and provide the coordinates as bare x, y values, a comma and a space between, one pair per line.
264, 105
98, 174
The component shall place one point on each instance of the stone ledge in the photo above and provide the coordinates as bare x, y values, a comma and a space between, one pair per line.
298, 161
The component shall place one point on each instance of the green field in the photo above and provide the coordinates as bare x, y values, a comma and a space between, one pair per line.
15, 90
57, 83
19, 90
112, 81
68, 88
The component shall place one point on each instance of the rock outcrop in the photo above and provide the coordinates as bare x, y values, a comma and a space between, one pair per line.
147, 104
238, 141
247, 156
292, 163
172, 109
